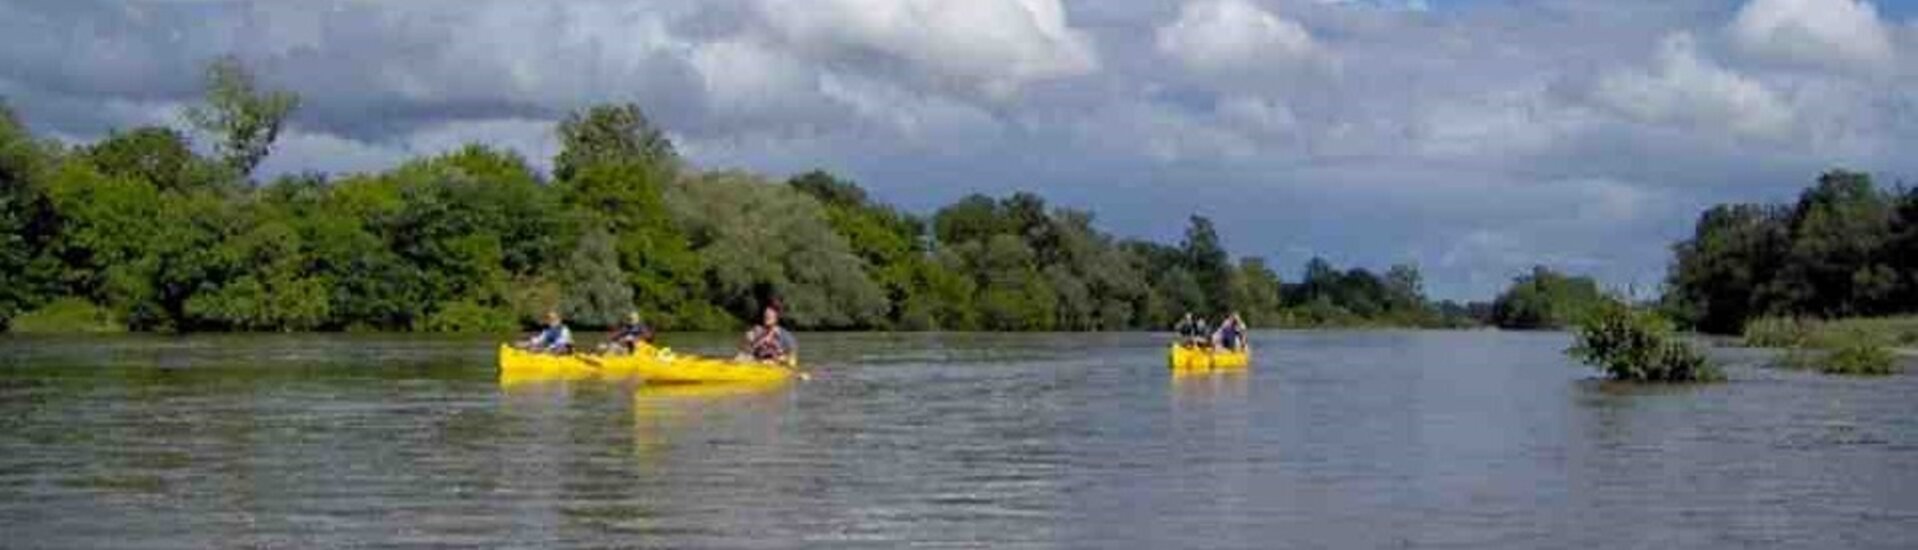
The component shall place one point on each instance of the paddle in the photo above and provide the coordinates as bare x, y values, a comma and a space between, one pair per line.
589, 361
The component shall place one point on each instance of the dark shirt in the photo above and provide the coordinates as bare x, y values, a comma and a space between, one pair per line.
778, 344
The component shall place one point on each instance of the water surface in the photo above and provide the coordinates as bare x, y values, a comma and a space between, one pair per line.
1331, 440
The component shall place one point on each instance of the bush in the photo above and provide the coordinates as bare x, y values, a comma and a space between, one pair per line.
1861, 354
1635, 346
68, 315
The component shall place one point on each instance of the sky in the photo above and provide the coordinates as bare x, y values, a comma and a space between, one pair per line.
1473, 139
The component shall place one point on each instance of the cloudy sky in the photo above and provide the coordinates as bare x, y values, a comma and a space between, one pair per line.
1471, 137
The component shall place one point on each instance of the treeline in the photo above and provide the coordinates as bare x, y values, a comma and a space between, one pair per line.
138, 231
1845, 248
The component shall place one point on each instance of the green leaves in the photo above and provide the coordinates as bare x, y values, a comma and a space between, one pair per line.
1844, 248
1546, 299
1637, 346
611, 134
597, 293
244, 118
759, 241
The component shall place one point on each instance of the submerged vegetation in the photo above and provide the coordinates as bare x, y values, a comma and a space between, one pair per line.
1634, 345
139, 231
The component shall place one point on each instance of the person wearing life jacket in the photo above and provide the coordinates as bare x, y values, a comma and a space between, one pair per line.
629, 334
1231, 333
769, 342
1191, 330
554, 339
1201, 334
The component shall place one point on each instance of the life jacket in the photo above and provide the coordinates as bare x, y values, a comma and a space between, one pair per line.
766, 344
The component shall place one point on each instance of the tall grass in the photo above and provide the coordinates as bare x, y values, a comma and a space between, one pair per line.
1859, 346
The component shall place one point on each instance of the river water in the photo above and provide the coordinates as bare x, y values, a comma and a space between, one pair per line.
1331, 440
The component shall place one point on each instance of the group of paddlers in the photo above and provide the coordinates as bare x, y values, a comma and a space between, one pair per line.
1230, 335
767, 341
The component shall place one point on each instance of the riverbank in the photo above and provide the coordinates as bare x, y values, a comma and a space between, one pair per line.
1784, 332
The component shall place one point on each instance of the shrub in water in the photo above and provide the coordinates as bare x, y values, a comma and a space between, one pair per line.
1860, 354
1636, 346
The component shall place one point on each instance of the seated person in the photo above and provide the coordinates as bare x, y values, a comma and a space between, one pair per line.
627, 335
1231, 335
555, 338
768, 341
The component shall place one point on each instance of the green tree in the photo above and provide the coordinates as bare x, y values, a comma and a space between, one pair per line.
891, 243
611, 134
1206, 259
1546, 299
973, 218
1722, 276
244, 118
160, 156
1833, 267
26, 278
596, 289
760, 241
1256, 292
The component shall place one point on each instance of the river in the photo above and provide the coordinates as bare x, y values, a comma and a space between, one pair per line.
1383, 439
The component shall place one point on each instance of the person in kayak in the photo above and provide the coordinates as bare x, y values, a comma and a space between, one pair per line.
555, 338
768, 341
1194, 331
627, 336
1188, 328
1231, 334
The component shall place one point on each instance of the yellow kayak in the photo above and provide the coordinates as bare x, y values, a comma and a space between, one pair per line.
653, 365
668, 368
1195, 358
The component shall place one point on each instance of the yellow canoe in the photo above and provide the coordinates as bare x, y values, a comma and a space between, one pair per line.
653, 365
1197, 358
668, 368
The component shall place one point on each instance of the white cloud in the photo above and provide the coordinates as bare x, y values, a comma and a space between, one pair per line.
1259, 115
1521, 120
300, 151
1841, 33
992, 46
1235, 37
1685, 89
744, 78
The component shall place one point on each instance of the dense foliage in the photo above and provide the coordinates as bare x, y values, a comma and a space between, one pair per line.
1637, 346
138, 231
1546, 299
1845, 248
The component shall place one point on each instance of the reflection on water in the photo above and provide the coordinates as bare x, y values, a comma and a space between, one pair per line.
1330, 440
666, 414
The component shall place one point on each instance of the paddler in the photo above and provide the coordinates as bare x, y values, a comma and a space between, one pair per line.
1231, 334
554, 339
628, 335
1192, 331
1186, 328
767, 341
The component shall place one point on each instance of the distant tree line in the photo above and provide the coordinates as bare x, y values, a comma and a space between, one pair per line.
139, 231
1845, 248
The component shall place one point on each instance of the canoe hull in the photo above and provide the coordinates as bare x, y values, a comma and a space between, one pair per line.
1190, 359
652, 365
